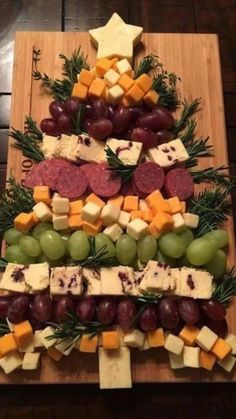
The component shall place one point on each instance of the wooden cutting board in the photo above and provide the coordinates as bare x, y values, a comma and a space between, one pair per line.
195, 58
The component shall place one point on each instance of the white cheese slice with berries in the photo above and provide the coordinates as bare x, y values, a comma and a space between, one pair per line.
49, 145
61, 149
66, 280
114, 368
156, 278
13, 278
168, 154
192, 283
90, 149
117, 281
37, 276
128, 152
92, 280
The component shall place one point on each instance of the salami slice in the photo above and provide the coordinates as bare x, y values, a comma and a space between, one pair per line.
137, 192
72, 182
179, 182
51, 171
88, 169
103, 183
127, 189
34, 176
148, 177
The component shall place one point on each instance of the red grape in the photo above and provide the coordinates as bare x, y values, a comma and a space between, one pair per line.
64, 123
101, 108
135, 112
86, 308
121, 120
56, 108
49, 126
36, 324
4, 304
17, 309
106, 310
72, 105
63, 306
42, 307
100, 129
126, 312
163, 136
168, 313
188, 310
89, 112
87, 123
220, 328
150, 120
166, 119
213, 309
148, 319
111, 112
145, 136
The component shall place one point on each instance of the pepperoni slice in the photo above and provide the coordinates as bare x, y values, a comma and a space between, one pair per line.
137, 192
148, 177
72, 182
103, 183
51, 171
34, 176
88, 169
179, 182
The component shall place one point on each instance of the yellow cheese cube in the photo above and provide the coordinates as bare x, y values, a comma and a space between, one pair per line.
86, 77
163, 221
111, 77
207, 360
111, 339
113, 62
189, 334
221, 349
7, 344
151, 98
80, 91
136, 214
88, 343
153, 230
116, 200
156, 201
23, 333
97, 88
42, 193
156, 338
147, 216
103, 65
75, 207
175, 205
126, 82
144, 82
54, 354
95, 199
92, 228
24, 222
134, 94
123, 67
115, 94
75, 221
130, 203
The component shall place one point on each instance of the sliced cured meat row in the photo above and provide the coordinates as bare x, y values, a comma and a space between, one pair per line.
147, 178
179, 182
102, 182
34, 176
51, 171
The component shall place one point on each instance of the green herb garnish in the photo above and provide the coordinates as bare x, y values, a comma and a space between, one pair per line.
211, 175
117, 167
189, 109
226, 288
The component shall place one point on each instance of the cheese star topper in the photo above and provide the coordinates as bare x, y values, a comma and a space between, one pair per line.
116, 38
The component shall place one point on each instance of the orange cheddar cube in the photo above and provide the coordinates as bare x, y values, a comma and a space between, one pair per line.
153, 230
183, 206
136, 214
74, 221
151, 98
175, 205
7, 344
24, 222
147, 216
111, 339
126, 82
97, 88
134, 94
88, 343
103, 65
207, 360
42, 194
86, 77
92, 228
95, 199
23, 333
221, 349
130, 203
126, 102
54, 354
156, 338
80, 91
75, 207
113, 62
116, 200
163, 221
156, 201
189, 334
35, 218
144, 82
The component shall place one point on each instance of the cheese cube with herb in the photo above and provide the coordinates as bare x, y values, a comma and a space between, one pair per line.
60, 205
66, 280
49, 145
13, 278
90, 212
191, 220
90, 149
128, 152
31, 361
231, 340
92, 279
114, 368
174, 344
137, 228
227, 363
42, 211
110, 214
134, 338
45, 333
60, 221
11, 362
206, 338
191, 357
37, 276
117, 280
65, 346
176, 361
113, 231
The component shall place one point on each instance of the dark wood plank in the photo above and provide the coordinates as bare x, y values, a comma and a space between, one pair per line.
3, 146
231, 137
5, 104
230, 106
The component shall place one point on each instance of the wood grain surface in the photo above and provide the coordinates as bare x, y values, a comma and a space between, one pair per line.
195, 58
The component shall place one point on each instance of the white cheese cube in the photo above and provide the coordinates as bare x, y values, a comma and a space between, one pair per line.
129, 152
93, 281
66, 280
29, 347
142, 205
11, 362
114, 368
48, 331
227, 363
115, 93
13, 278
123, 219
111, 77
65, 346
156, 277
124, 67
176, 361
137, 228
42, 211
60, 205
114, 231
134, 338
110, 214
231, 340
37, 340
90, 150
37, 276
179, 223
206, 338
90, 212
117, 280
49, 145
174, 344
31, 361
145, 345
191, 220
191, 357
60, 221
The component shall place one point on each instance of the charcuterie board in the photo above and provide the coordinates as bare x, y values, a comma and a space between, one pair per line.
195, 58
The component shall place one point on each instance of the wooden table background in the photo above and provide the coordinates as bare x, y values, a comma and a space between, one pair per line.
186, 16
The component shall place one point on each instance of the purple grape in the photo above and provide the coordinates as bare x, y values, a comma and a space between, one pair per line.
72, 105
166, 118
145, 136
135, 112
126, 312
148, 319
56, 108
106, 310
42, 307
188, 310
86, 308
64, 123
168, 313
63, 306
213, 309
4, 304
101, 109
17, 309
150, 120
100, 129
49, 126
121, 120
164, 136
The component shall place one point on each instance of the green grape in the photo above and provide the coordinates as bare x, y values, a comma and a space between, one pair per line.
101, 240
79, 245
220, 236
146, 248
14, 254
43, 258
217, 265
52, 244
65, 237
12, 236
165, 259
171, 245
125, 249
30, 246
186, 236
40, 228
201, 251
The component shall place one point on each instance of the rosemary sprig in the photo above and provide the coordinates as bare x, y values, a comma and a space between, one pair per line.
146, 299
146, 65
189, 109
32, 129
78, 120
226, 288
164, 84
3, 264
189, 133
73, 65
4, 328
197, 148
117, 167
14, 200
213, 208
59, 89
211, 175
96, 258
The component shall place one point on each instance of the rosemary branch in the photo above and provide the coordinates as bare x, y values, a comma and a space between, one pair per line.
197, 148
72, 66
4, 328
226, 288
146, 65
117, 166
32, 129
212, 175
189, 133
189, 109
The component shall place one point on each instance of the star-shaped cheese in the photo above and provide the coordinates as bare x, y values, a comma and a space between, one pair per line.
116, 38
